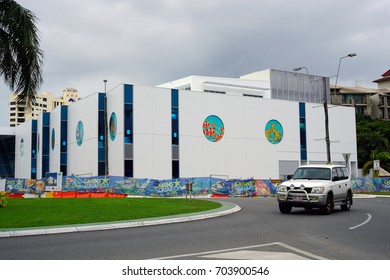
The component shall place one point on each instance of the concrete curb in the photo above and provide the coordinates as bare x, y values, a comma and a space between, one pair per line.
369, 195
226, 209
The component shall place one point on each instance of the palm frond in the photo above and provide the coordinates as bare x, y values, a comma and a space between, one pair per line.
21, 58
366, 168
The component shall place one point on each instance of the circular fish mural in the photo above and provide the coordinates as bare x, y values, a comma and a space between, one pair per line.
113, 126
274, 132
21, 148
53, 139
213, 128
79, 133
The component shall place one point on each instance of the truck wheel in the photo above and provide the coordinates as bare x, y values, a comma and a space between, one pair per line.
348, 203
285, 208
328, 207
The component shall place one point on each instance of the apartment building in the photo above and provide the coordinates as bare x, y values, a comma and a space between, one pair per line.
45, 102
367, 101
384, 95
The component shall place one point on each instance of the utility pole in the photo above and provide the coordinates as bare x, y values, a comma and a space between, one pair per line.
327, 140
105, 130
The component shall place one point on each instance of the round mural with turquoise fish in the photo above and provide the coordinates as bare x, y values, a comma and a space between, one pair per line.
113, 126
213, 128
79, 133
274, 131
53, 139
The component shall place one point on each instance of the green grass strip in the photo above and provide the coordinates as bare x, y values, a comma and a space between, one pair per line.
25, 213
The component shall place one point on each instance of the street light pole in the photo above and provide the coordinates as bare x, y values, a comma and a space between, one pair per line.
338, 69
325, 102
307, 72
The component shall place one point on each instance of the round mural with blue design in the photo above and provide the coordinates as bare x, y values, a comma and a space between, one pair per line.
79, 133
274, 132
213, 128
113, 126
53, 139
21, 149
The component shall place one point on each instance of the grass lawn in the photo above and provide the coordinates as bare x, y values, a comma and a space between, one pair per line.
24, 213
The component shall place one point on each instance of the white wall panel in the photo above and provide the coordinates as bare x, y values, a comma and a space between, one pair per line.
83, 159
342, 133
23, 150
55, 151
115, 104
342, 130
152, 132
244, 150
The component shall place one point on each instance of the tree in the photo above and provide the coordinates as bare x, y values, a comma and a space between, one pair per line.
21, 58
382, 156
371, 135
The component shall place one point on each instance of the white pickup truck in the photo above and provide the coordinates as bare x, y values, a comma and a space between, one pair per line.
316, 186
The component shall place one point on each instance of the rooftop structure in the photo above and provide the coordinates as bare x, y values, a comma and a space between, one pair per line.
384, 82
269, 83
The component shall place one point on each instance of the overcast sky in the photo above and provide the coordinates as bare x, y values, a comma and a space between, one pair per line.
149, 42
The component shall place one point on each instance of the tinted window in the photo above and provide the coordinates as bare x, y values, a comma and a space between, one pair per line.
335, 175
312, 173
343, 171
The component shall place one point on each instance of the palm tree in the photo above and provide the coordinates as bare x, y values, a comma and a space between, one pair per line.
383, 156
20, 55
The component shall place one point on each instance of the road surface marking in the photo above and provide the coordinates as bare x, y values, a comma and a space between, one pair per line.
203, 254
365, 222
255, 255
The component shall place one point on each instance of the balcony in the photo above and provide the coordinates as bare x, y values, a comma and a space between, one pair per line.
355, 101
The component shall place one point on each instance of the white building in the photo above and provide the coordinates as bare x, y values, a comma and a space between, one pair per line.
163, 133
148, 141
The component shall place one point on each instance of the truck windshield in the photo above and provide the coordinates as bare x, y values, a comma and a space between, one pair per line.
312, 173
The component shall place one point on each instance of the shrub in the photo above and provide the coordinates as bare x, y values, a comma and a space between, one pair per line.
3, 199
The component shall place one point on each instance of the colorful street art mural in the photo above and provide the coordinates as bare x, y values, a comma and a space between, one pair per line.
173, 187
363, 185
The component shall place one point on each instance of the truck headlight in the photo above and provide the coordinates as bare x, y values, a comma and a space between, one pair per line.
282, 189
317, 190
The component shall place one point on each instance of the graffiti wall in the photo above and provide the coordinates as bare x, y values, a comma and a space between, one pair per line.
362, 185
174, 187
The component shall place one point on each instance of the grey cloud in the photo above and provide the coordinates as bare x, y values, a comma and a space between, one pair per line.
153, 41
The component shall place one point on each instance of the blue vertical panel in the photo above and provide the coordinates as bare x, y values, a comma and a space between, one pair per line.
101, 134
175, 130
302, 130
7, 156
128, 116
34, 136
45, 143
64, 139
128, 127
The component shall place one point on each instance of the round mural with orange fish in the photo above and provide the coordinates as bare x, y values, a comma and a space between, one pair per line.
213, 128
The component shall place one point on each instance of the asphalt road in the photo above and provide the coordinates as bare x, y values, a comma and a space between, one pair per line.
258, 231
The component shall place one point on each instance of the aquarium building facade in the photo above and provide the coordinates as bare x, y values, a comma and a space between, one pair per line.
162, 133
